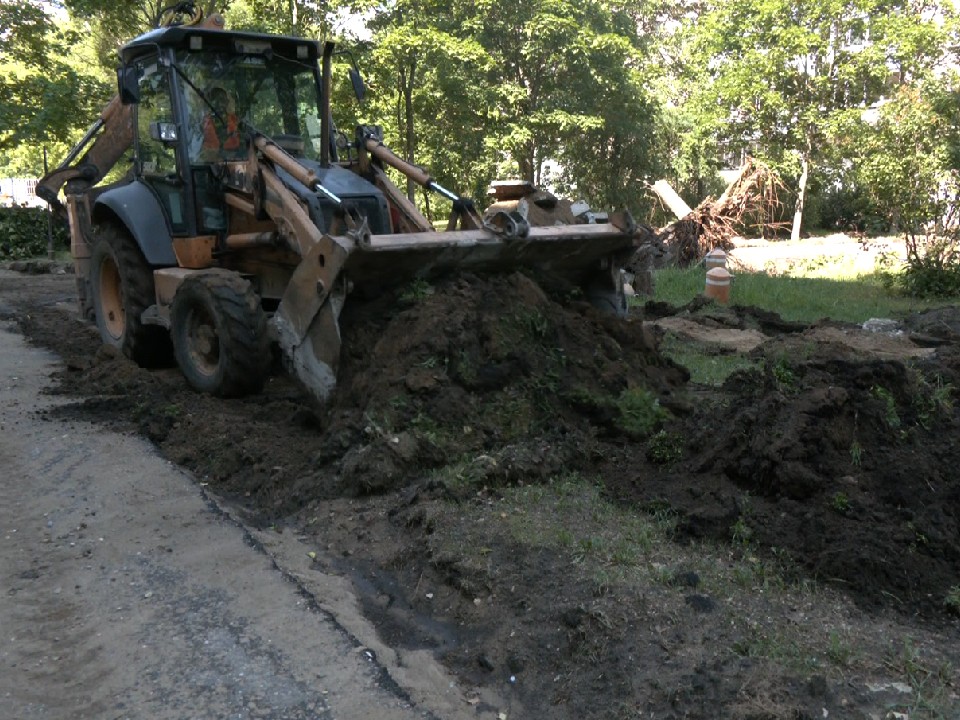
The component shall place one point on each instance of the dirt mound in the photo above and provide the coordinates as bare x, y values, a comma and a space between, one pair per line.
491, 366
840, 459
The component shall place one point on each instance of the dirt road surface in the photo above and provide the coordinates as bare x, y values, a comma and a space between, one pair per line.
127, 593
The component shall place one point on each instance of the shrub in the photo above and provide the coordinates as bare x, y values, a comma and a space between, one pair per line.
23, 233
847, 208
932, 268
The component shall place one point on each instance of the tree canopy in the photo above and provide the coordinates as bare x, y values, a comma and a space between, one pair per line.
592, 98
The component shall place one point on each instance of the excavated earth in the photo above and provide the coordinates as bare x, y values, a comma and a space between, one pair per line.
832, 458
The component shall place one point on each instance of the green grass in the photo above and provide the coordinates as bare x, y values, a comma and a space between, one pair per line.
803, 299
706, 365
624, 565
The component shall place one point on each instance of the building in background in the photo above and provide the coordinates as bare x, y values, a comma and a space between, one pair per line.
19, 191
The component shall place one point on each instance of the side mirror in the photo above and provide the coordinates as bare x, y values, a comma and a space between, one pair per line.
357, 81
165, 132
128, 85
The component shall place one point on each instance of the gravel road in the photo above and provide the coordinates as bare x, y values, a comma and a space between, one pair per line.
127, 593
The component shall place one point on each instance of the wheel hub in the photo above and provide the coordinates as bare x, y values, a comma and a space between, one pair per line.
111, 299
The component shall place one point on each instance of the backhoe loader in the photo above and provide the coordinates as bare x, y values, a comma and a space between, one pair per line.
247, 218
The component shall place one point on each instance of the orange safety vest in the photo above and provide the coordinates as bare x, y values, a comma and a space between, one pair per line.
214, 140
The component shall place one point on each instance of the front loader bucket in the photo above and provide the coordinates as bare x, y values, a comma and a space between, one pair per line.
587, 255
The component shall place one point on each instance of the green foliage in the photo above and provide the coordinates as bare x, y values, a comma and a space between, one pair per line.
856, 453
283, 17
596, 99
952, 600
463, 90
932, 269
839, 650
773, 76
665, 448
46, 93
640, 412
840, 503
416, 291
23, 233
890, 415
931, 399
898, 158
931, 697
741, 533
846, 207
784, 376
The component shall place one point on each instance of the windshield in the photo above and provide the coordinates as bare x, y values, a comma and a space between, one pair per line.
276, 96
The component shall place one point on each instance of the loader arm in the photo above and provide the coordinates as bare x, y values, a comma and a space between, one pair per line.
464, 216
98, 151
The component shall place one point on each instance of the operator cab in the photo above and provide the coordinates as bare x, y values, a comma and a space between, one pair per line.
199, 95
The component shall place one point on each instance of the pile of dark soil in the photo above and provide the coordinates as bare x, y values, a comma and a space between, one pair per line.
844, 461
487, 366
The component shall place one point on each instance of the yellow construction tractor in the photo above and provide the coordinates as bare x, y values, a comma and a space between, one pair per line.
247, 218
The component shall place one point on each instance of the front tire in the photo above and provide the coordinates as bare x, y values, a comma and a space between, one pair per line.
219, 333
121, 286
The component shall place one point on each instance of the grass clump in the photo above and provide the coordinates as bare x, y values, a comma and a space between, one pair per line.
665, 448
890, 416
416, 291
705, 365
840, 503
952, 600
640, 412
931, 399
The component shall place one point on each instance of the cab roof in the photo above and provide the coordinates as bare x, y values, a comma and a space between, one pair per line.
204, 39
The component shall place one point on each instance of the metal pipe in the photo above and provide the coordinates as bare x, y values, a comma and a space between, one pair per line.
309, 178
449, 194
417, 174
78, 148
248, 240
386, 156
330, 195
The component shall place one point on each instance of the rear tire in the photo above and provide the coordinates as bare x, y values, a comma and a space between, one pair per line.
121, 288
219, 333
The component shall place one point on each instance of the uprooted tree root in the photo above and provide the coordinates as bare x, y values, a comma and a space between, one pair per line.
751, 200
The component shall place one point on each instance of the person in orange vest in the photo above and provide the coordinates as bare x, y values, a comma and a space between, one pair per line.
221, 130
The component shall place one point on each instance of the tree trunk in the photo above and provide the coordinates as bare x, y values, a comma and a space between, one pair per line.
409, 136
671, 199
801, 194
527, 167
